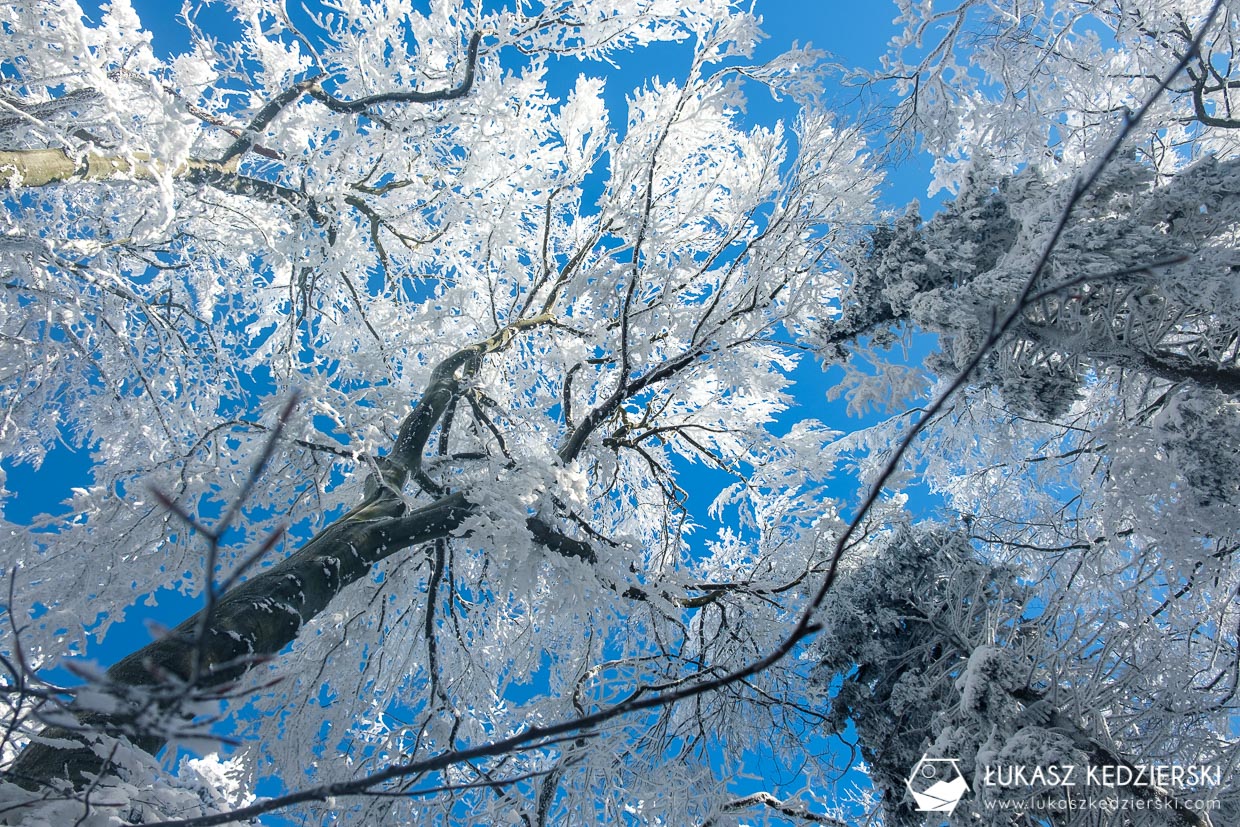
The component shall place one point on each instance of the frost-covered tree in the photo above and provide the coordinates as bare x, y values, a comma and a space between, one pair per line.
509, 324
946, 653
1092, 451
1047, 84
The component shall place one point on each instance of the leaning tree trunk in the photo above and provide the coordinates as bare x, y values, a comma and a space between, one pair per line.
259, 617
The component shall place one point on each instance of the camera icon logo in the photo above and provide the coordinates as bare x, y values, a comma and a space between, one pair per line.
937, 785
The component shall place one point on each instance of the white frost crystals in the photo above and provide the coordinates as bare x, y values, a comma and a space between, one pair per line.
550, 532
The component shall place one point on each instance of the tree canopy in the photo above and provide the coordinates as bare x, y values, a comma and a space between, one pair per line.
406, 356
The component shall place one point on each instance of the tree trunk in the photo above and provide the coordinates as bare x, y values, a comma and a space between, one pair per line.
255, 619
42, 167
258, 618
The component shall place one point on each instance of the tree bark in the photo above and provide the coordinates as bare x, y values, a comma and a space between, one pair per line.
254, 620
43, 167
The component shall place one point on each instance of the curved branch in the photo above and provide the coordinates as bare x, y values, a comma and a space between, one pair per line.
360, 105
444, 386
1199, 106
314, 87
